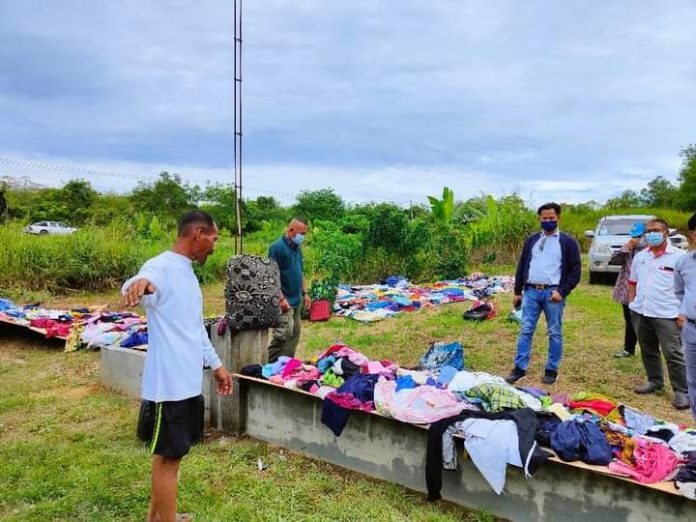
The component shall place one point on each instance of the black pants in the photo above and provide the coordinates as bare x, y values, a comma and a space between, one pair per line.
630, 338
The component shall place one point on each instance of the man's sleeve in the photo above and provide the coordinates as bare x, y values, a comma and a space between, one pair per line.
633, 280
519, 274
273, 253
153, 275
679, 285
210, 357
574, 268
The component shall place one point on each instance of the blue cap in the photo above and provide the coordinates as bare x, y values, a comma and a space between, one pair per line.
637, 230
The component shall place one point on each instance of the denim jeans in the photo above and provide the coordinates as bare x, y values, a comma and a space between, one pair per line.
688, 335
533, 303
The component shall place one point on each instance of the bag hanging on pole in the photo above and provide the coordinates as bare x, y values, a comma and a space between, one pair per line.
252, 293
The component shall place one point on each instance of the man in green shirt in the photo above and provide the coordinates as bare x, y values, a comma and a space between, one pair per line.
287, 252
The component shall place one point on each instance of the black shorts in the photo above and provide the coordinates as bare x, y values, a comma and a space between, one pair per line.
171, 428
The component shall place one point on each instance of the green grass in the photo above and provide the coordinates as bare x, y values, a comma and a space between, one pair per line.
68, 452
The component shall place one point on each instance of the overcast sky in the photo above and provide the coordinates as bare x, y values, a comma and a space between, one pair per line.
382, 100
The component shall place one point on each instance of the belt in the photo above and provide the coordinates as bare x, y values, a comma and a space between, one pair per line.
539, 286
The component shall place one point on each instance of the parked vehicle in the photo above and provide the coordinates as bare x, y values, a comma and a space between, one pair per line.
610, 235
50, 227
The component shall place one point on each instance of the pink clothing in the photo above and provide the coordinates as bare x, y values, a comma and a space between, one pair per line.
293, 364
420, 405
654, 462
378, 368
347, 400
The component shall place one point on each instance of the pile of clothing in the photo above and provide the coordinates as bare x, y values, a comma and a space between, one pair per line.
80, 328
377, 302
84, 328
501, 424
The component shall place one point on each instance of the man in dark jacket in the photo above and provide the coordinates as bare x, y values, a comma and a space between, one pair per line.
548, 270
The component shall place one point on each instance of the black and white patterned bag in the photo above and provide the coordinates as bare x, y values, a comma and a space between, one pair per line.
252, 294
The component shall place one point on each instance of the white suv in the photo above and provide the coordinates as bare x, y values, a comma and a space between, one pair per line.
50, 227
611, 234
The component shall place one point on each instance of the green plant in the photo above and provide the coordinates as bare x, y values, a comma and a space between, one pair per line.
324, 289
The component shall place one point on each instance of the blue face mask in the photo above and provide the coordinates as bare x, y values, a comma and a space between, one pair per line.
549, 226
298, 239
654, 238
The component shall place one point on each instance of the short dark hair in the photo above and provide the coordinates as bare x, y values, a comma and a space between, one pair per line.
691, 225
661, 221
195, 217
549, 206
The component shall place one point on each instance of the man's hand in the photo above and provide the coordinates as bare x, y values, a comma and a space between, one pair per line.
223, 380
516, 301
307, 301
284, 305
137, 290
556, 297
681, 319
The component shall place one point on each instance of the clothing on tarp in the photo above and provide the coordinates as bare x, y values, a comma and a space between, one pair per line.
685, 479
654, 462
421, 405
496, 397
443, 354
531, 455
134, 339
491, 445
584, 441
638, 421
252, 370
356, 393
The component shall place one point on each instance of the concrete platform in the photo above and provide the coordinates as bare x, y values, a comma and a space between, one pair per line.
395, 451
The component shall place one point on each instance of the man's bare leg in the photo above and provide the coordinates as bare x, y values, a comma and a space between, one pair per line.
165, 481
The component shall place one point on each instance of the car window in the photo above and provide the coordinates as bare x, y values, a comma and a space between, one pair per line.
617, 227
62, 225
41, 224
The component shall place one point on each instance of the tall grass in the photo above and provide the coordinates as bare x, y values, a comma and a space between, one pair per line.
92, 259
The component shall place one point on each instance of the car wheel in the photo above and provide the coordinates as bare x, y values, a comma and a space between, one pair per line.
595, 278
43, 232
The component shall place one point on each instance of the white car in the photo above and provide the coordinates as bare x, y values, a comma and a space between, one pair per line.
611, 234
50, 227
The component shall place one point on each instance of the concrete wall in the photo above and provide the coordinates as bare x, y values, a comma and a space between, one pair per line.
394, 451
122, 371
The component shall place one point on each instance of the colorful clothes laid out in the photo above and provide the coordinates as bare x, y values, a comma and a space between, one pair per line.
421, 405
356, 393
594, 402
495, 397
377, 302
653, 462
490, 454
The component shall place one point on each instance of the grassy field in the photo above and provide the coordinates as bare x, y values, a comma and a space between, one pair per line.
68, 452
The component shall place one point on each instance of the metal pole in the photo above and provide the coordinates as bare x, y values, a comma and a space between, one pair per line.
239, 239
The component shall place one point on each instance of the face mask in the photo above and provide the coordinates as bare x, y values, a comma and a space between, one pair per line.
654, 238
298, 239
549, 226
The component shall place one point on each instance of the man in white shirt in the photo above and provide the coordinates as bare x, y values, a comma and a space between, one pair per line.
171, 415
654, 311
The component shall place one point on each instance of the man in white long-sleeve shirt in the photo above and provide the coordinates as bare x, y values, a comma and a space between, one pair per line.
171, 415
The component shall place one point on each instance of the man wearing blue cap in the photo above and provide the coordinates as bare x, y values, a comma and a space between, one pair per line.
624, 258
